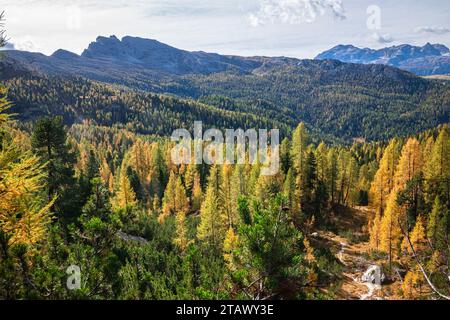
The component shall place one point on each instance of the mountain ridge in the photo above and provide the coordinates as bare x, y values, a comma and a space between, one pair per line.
430, 59
108, 59
150, 54
344, 100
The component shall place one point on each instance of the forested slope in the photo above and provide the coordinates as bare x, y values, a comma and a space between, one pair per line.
346, 100
340, 100
77, 100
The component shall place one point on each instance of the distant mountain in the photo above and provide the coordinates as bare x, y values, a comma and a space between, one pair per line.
152, 54
334, 98
132, 61
431, 59
136, 55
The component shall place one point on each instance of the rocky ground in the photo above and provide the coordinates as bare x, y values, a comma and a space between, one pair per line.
349, 243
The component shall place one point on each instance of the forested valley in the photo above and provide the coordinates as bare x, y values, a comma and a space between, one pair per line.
87, 181
337, 101
140, 227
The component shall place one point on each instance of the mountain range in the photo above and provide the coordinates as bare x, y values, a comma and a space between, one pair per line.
143, 57
335, 99
431, 59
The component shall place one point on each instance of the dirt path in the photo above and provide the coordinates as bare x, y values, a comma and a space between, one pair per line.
350, 244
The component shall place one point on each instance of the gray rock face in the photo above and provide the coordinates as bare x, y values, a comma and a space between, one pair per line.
430, 59
152, 54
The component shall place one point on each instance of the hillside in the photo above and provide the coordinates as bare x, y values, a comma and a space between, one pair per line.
78, 100
339, 100
95, 204
345, 100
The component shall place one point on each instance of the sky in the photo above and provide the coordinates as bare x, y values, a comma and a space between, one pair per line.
294, 28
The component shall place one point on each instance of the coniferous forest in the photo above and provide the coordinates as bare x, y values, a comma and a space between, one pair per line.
88, 187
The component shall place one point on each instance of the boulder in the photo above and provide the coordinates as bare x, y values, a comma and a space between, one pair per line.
373, 274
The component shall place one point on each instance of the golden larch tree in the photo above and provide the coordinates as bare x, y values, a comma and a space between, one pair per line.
24, 210
213, 223
175, 199
383, 181
125, 196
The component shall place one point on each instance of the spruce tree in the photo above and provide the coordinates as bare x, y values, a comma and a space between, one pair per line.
437, 225
437, 168
49, 142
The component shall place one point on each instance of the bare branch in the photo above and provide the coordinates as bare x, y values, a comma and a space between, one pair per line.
3, 39
419, 263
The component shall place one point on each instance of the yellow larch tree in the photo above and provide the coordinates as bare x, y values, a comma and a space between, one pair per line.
175, 199
189, 177
181, 239
375, 231
409, 165
390, 231
383, 181
229, 245
125, 197
409, 286
268, 186
106, 174
140, 159
298, 151
322, 161
213, 223
417, 237
24, 214
226, 195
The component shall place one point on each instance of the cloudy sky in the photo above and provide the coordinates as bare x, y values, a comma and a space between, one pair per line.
296, 28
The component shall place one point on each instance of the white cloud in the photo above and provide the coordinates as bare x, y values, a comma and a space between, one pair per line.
432, 29
221, 26
295, 11
382, 38
25, 43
